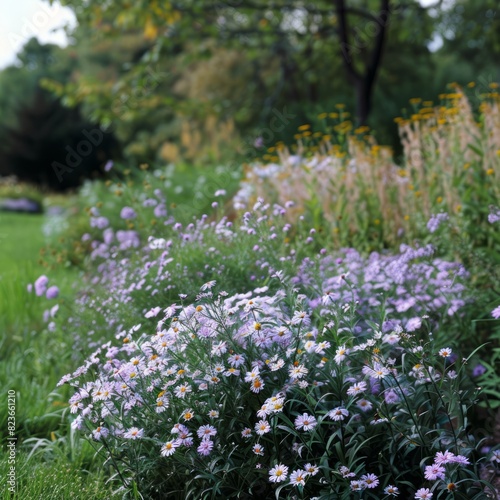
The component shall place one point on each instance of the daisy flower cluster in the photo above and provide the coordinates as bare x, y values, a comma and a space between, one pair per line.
443, 471
265, 384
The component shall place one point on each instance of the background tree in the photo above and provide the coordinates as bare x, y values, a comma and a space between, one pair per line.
37, 129
202, 79
289, 53
469, 33
364, 80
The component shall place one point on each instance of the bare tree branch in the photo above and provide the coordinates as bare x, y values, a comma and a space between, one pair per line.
383, 20
345, 47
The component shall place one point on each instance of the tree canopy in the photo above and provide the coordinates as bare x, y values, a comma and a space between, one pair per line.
199, 78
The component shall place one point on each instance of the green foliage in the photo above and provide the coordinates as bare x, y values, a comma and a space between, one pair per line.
249, 59
469, 31
54, 479
19, 82
201, 81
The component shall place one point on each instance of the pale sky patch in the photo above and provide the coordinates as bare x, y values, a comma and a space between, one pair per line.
20, 20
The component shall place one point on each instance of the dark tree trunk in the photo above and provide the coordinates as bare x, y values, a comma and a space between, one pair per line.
364, 81
363, 101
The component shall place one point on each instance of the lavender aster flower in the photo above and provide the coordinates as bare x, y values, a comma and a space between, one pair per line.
478, 370
160, 210
128, 239
494, 215
128, 213
99, 222
435, 221
390, 397
259, 142
52, 292
495, 313
413, 324
205, 447
41, 285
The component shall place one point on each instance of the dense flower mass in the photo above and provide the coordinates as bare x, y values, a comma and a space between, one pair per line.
236, 357
275, 345
408, 284
320, 323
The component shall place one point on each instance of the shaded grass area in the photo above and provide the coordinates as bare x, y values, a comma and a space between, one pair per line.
55, 479
32, 360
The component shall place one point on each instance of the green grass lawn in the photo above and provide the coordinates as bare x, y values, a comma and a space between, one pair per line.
21, 238
32, 360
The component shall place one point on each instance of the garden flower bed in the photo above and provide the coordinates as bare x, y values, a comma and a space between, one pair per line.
255, 352
329, 376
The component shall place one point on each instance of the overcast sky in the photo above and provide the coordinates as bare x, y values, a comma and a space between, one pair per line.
22, 19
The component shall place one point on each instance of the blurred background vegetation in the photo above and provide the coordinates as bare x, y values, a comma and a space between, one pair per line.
208, 86
219, 81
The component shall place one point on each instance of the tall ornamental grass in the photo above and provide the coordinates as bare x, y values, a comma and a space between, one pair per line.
357, 192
